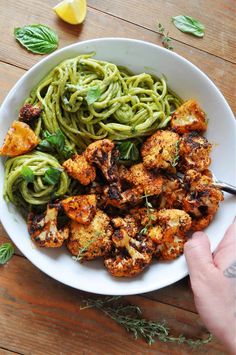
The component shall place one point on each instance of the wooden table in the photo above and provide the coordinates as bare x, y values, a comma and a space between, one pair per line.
39, 315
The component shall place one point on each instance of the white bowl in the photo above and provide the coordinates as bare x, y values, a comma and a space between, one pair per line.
188, 82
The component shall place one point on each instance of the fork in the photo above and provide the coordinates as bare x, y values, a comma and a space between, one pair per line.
217, 183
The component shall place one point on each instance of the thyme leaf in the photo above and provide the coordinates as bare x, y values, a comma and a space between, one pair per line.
176, 157
83, 250
130, 317
166, 40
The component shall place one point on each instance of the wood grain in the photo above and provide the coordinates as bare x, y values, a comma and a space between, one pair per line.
98, 24
219, 20
49, 317
38, 315
7, 352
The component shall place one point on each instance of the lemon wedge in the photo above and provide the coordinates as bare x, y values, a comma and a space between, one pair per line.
71, 11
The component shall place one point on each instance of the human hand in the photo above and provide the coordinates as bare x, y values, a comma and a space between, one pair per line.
213, 281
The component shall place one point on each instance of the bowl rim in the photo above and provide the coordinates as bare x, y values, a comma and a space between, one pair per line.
41, 63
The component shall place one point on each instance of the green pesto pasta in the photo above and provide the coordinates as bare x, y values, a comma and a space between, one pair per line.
24, 194
90, 99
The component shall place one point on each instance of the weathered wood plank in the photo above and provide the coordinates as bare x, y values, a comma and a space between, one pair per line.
219, 20
179, 294
96, 25
7, 352
9, 75
38, 314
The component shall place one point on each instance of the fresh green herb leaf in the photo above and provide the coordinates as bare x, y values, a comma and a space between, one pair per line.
55, 142
93, 94
151, 218
128, 151
52, 176
6, 252
166, 40
82, 251
130, 317
56, 139
27, 174
176, 157
188, 24
38, 39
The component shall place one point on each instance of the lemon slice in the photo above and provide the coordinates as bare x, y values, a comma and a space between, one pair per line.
71, 11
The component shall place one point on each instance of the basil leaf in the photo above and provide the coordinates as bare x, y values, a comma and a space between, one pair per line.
57, 139
55, 142
128, 151
52, 176
189, 25
93, 94
38, 39
27, 174
6, 252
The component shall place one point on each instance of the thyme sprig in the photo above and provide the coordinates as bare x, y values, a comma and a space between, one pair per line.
82, 251
176, 157
130, 317
149, 215
166, 40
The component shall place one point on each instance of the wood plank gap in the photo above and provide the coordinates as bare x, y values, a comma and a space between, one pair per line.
13, 65
166, 303
10, 351
153, 31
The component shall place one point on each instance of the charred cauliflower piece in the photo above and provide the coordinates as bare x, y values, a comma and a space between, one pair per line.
90, 241
150, 183
171, 251
172, 193
174, 222
168, 233
103, 154
113, 197
188, 117
20, 139
28, 113
144, 216
79, 169
194, 152
202, 200
81, 208
43, 229
160, 151
130, 253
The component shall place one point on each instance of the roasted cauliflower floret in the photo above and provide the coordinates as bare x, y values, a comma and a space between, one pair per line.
168, 232
202, 200
130, 197
128, 223
104, 154
20, 139
194, 152
28, 113
144, 216
150, 183
170, 251
172, 193
188, 117
174, 222
43, 229
90, 241
130, 253
81, 208
79, 169
160, 151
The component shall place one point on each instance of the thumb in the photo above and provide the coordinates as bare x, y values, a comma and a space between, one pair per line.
198, 255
